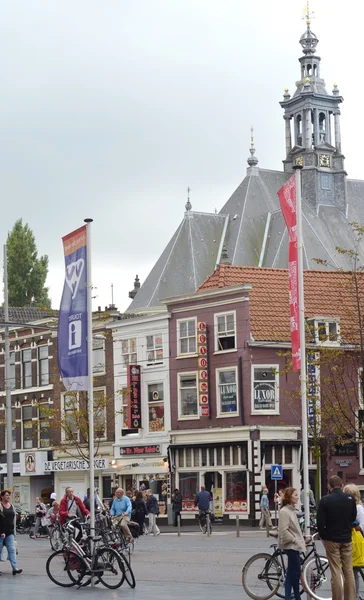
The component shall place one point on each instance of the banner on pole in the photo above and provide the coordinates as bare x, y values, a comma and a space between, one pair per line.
287, 200
72, 322
135, 404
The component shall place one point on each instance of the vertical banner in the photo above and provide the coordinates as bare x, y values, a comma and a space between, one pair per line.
287, 200
203, 384
134, 373
72, 321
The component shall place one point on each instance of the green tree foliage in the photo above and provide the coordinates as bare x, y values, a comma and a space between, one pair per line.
26, 272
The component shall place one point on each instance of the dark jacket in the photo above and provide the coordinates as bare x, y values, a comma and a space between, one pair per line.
202, 500
335, 515
140, 508
177, 502
152, 505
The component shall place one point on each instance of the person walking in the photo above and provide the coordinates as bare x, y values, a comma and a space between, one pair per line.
7, 529
335, 516
291, 540
40, 517
153, 512
139, 511
121, 507
177, 507
351, 488
265, 518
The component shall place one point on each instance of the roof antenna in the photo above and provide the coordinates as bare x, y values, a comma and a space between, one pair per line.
112, 294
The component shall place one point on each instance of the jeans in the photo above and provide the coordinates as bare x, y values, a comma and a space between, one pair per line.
153, 528
9, 543
176, 514
340, 560
293, 574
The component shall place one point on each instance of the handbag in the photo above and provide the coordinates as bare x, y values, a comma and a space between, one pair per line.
358, 548
4, 553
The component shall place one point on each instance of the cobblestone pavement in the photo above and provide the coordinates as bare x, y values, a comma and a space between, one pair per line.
192, 566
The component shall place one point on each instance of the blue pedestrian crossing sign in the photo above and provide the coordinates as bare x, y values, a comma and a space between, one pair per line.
276, 472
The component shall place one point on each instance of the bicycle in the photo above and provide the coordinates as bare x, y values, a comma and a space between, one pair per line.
58, 537
69, 566
204, 521
265, 570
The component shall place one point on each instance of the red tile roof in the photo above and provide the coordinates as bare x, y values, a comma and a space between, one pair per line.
327, 294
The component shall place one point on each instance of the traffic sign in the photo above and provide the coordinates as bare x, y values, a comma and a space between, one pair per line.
276, 472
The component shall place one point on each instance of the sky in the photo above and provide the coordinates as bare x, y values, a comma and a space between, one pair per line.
110, 109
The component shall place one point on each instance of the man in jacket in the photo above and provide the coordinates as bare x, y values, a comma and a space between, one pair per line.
335, 516
121, 507
203, 499
177, 506
153, 512
71, 507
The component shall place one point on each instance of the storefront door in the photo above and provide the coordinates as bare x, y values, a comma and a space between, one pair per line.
213, 479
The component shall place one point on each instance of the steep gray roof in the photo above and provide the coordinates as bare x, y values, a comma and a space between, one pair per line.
27, 314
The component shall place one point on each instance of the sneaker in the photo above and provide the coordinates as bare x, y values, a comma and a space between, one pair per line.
32, 537
158, 533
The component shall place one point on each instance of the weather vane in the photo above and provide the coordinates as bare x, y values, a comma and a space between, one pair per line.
307, 14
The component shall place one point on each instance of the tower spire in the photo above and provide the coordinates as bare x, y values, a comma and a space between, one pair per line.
252, 160
188, 205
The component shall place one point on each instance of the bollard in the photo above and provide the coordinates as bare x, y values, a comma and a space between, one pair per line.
179, 525
267, 526
208, 525
237, 526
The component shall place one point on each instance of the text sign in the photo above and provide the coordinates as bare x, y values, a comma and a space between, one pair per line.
74, 465
134, 374
139, 450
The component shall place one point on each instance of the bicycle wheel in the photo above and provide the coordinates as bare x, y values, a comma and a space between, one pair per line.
64, 568
55, 539
261, 576
359, 581
129, 575
317, 578
203, 523
282, 561
110, 568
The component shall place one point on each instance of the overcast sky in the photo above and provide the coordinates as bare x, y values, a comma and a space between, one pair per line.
110, 109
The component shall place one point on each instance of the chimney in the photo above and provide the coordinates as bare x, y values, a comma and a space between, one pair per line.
134, 292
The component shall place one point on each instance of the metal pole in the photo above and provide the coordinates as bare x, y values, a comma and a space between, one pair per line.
9, 433
179, 525
90, 405
306, 485
237, 526
275, 502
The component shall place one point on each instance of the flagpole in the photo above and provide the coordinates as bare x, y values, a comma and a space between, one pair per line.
90, 404
306, 481
8, 410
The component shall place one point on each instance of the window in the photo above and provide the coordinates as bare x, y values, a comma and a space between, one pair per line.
125, 396
26, 357
225, 332
188, 486
43, 365
129, 352
43, 420
227, 392
325, 181
327, 331
70, 410
265, 389
236, 492
154, 349
100, 414
156, 407
98, 357
27, 427
13, 430
187, 391
186, 337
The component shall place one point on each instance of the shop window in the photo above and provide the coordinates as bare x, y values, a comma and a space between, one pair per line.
129, 352
244, 454
269, 455
70, 413
187, 392
26, 359
11, 380
154, 349
227, 391
181, 458
43, 421
288, 455
212, 457
219, 457
27, 412
265, 389
156, 407
98, 357
196, 457
186, 336
236, 499
236, 455
188, 486
227, 460
278, 455
100, 427
225, 336
107, 487
204, 457
188, 457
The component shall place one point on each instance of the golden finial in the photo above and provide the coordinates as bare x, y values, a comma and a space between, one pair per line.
286, 90
335, 85
307, 14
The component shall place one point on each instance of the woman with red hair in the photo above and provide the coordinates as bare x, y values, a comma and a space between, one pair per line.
291, 541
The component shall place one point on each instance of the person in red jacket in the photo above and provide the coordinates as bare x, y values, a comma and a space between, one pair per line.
71, 507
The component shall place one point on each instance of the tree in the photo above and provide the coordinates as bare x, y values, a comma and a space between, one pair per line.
26, 272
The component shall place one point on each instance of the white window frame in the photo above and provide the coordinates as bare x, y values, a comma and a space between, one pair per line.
39, 428
63, 433
103, 390
124, 364
100, 367
22, 426
218, 399
182, 417
39, 363
155, 360
22, 368
216, 336
315, 321
265, 411
184, 354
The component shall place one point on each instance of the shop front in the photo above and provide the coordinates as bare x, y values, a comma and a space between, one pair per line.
221, 468
29, 479
75, 472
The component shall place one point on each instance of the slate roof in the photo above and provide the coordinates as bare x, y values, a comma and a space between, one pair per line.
27, 314
327, 294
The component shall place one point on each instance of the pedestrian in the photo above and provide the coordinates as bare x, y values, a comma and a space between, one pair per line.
53, 497
291, 540
278, 498
335, 516
53, 514
139, 511
351, 488
121, 507
72, 507
7, 529
153, 512
177, 507
265, 518
40, 517
311, 501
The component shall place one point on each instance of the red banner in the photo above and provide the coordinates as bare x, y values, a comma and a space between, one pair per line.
287, 200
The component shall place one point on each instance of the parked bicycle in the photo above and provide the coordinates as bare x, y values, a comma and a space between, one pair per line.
204, 521
263, 574
24, 522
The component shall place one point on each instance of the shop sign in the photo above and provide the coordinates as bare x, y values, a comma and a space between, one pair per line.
228, 401
236, 506
133, 382
189, 506
264, 395
4, 468
32, 462
202, 362
344, 462
218, 510
74, 465
140, 450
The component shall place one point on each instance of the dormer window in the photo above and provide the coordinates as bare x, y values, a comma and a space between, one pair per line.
325, 331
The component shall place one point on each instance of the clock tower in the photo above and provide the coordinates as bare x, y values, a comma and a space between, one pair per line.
313, 139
